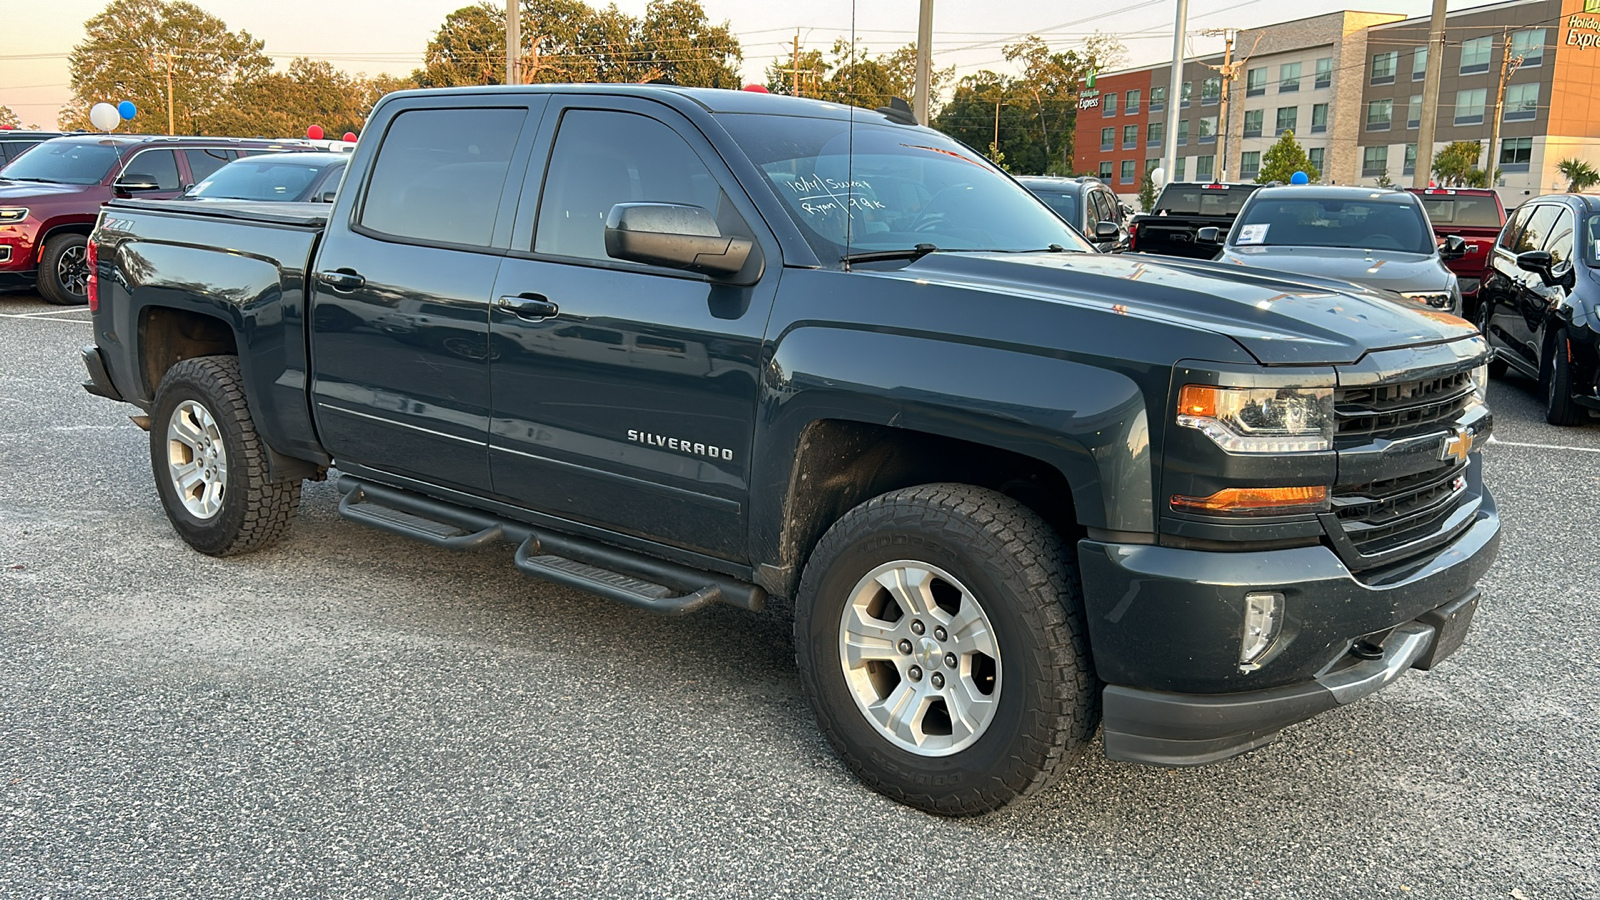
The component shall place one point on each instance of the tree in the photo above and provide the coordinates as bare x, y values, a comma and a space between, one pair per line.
283, 104
854, 76
130, 46
1454, 165
1147, 193
676, 39
1579, 174
1283, 159
7, 117
468, 48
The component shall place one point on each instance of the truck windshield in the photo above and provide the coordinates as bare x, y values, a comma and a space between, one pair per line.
890, 188
1310, 222
1466, 211
63, 162
1202, 200
258, 178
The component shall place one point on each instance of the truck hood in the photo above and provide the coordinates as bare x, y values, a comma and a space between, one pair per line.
1387, 269
11, 191
1278, 318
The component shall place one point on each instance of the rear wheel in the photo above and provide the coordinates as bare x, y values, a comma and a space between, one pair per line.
1559, 408
64, 270
939, 635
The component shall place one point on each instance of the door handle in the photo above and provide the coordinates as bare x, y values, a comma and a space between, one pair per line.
529, 306
342, 280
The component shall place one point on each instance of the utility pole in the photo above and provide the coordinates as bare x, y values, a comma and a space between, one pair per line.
1430, 98
1508, 67
924, 62
513, 42
1169, 155
172, 127
1229, 70
796, 62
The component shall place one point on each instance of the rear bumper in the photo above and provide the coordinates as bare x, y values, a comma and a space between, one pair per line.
99, 382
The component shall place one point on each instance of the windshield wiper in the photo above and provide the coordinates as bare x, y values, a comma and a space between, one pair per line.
911, 253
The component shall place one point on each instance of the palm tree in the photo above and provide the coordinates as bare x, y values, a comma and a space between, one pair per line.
1580, 175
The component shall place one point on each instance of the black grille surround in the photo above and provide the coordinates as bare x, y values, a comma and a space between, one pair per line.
1386, 410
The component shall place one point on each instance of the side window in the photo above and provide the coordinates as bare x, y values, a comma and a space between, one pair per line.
440, 173
1560, 242
1539, 227
1103, 210
160, 165
203, 162
1508, 234
602, 158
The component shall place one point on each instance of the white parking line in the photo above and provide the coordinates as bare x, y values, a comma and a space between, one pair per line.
46, 317
50, 312
1495, 440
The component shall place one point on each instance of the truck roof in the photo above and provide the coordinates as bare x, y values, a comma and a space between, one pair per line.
713, 100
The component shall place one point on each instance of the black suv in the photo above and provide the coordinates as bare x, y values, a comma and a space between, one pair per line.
14, 143
1540, 306
1087, 205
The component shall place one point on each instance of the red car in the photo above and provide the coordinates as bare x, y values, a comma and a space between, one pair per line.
50, 196
1476, 215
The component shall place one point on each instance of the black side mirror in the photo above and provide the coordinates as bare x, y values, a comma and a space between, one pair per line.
137, 181
1454, 247
1106, 231
1539, 263
327, 196
1210, 234
674, 235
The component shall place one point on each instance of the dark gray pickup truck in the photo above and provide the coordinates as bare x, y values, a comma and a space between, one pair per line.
684, 347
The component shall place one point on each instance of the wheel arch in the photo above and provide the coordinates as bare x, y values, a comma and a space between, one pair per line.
83, 226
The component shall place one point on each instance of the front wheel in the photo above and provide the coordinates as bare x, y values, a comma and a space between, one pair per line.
210, 466
1559, 408
64, 270
939, 635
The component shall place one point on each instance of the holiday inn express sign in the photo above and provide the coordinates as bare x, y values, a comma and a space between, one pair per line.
1584, 30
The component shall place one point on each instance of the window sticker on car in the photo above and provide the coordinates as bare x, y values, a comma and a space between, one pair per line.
1253, 234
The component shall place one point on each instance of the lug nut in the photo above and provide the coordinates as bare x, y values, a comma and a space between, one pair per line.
950, 660
938, 680
939, 635
917, 627
915, 673
905, 646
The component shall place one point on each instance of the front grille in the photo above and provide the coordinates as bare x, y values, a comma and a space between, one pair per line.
1379, 516
1402, 407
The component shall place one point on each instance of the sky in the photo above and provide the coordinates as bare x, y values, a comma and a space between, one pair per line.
375, 36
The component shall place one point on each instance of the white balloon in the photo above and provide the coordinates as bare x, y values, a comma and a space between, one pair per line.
1158, 176
104, 116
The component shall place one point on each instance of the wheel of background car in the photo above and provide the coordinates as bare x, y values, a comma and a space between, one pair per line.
1485, 312
64, 270
1559, 408
940, 637
210, 466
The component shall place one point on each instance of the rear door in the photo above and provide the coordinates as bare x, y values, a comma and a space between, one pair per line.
400, 319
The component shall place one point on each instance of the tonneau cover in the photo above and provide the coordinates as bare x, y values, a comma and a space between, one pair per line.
310, 215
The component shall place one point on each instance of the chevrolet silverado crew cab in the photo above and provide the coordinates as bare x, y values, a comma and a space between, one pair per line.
683, 347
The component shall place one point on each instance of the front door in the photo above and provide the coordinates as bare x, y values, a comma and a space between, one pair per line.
625, 394
1510, 322
400, 319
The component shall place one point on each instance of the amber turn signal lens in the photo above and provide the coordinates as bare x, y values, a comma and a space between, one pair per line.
1198, 400
1256, 501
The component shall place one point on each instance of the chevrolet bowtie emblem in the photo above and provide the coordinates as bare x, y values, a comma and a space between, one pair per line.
1457, 446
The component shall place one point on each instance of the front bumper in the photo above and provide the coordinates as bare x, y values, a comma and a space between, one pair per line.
1165, 625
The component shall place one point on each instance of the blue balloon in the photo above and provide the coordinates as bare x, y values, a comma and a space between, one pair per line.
127, 110
1299, 178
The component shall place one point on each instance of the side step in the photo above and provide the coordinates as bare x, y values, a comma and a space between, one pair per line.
611, 572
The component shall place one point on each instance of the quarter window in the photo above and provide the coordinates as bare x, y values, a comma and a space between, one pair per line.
203, 162
440, 174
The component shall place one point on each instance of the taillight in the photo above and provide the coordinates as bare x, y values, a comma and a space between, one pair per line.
92, 257
1133, 235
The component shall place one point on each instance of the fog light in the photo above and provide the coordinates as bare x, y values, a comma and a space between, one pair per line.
1263, 617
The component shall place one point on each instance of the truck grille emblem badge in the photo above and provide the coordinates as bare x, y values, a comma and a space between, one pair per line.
1457, 446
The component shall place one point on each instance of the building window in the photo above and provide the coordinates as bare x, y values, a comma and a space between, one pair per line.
1516, 154
1132, 106
1374, 161
1182, 161
1380, 114
1183, 132
1108, 138
1419, 64
1414, 112
1108, 106
1315, 156
1154, 134
1211, 91
1208, 129
1469, 106
1187, 92
1288, 78
1130, 137
1475, 55
1158, 98
1288, 118
1324, 72
1319, 118
1250, 164
1522, 102
1204, 167
1151, 163
1252, 122
1105, 171
1410, 166
1127, 171
1530, 46
1383, 66
1255, 82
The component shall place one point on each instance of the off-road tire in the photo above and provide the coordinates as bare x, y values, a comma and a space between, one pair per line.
1027, 583
50, 286
254, 512
1559, 408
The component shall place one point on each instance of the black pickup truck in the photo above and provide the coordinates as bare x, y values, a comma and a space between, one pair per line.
1171, 227
684, 347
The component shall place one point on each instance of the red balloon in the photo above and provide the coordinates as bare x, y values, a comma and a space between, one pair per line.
314, 132
350, 137
7, 127
757, 89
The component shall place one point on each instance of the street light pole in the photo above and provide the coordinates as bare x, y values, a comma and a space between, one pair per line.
924, 62
1169, 157
513, 42
1430, 98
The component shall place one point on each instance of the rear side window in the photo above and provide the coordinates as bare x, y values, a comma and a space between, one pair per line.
1508, 235
440, 173
1539, 227
1560, 243
160, 165
203, 162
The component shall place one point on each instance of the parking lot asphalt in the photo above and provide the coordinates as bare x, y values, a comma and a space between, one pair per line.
351, 714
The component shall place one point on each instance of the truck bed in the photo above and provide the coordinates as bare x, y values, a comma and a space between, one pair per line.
309, 215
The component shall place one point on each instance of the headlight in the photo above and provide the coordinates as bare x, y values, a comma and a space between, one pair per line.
1260, 420
1480, 383
13, 213
1444, 300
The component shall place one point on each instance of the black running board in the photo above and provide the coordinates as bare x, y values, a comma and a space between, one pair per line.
611, 572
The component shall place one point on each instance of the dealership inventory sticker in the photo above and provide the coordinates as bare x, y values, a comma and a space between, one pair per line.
1252, 234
